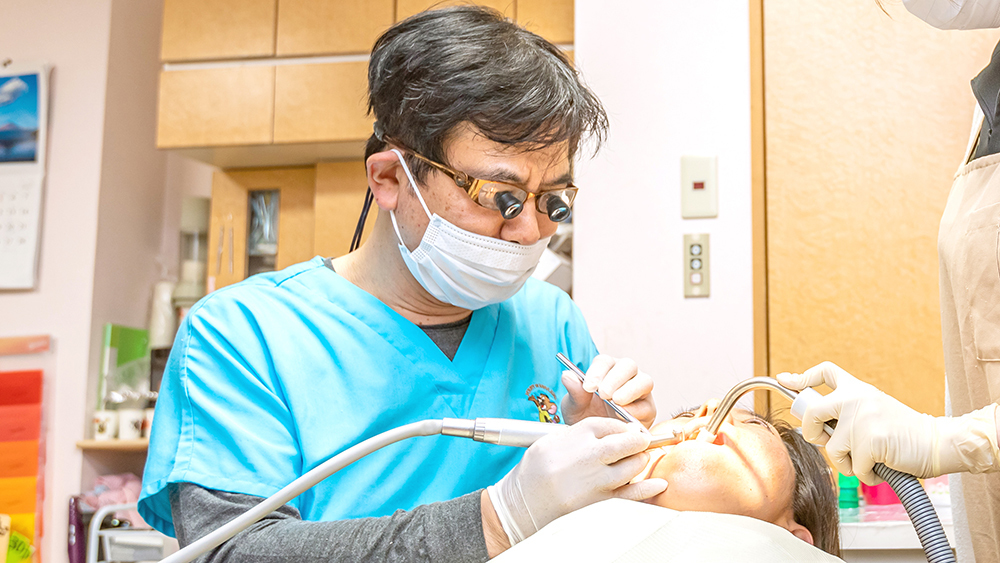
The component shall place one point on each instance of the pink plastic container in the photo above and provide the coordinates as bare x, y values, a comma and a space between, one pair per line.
879, 494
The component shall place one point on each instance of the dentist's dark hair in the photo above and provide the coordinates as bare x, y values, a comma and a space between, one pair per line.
440, 69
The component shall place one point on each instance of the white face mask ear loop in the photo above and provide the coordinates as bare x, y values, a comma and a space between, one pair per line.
413, 182
409, 176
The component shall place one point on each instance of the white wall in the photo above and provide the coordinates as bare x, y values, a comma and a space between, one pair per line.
675, 80
132, 178
185, 178
102, 211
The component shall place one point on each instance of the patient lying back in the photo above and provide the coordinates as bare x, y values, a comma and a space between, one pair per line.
755, 467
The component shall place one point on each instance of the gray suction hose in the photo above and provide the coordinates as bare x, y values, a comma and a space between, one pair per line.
921, 512
913, 496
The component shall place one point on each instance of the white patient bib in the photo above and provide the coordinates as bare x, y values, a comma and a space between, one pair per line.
624, 531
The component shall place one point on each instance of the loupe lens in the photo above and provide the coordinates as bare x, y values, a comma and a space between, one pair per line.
508, 204
557, 209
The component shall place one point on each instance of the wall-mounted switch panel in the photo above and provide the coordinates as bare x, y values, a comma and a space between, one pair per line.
696, 270
699, 187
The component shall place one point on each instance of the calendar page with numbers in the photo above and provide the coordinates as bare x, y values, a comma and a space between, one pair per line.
23, 127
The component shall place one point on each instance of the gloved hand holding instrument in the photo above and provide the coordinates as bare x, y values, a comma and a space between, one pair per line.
591, 461
873, 427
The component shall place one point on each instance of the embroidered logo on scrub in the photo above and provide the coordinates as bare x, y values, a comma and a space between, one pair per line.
544, 399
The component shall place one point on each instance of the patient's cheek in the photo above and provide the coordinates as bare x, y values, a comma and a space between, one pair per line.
710, 481
692, 484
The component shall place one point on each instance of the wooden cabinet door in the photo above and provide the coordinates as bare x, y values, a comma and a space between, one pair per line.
321, 102
406, 8
552, 19
318, 27
217, 29
340, 192
227, 235
215, 107
867, 117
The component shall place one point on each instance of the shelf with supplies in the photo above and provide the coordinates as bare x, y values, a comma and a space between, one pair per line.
139, 445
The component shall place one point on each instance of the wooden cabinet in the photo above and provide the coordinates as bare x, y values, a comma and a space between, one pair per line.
321, 102
552, 19
217, 29
227, 235
263, 112
324, 27
318, 210
215, 106
340, 192
406, 8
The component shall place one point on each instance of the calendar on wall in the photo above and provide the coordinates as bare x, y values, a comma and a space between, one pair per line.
23, 128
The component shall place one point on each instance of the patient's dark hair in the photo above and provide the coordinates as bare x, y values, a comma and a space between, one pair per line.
814, 500
469, 65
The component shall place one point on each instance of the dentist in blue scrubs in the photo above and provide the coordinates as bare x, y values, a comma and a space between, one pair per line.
436, 315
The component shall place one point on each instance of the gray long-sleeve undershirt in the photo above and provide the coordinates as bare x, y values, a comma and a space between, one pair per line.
449, 531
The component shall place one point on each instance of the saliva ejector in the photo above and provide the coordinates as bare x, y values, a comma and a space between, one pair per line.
907, 487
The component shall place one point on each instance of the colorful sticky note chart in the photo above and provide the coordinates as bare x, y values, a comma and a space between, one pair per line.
19, 549
21, 455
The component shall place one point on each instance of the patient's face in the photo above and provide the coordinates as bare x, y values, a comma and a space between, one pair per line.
745, 471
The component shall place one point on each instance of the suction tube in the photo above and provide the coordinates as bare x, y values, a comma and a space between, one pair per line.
918, 506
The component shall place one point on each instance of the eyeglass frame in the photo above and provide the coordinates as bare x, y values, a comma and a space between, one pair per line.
473, 186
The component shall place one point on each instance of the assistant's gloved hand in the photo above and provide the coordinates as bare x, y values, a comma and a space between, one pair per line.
872, 427
615, 379
590, 461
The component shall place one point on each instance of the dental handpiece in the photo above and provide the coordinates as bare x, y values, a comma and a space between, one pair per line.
622, 413
521, 433
500, 431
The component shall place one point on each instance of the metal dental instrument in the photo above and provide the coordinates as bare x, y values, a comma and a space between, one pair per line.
622, 413
660, 440
710, 431
729, 401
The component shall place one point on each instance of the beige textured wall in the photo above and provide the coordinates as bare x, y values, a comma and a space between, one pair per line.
867, 118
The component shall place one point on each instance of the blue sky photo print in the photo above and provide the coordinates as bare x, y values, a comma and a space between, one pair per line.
19, 118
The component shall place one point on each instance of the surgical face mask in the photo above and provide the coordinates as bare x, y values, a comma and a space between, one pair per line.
462, 268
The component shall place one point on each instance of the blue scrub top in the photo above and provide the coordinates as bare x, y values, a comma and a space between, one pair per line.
271, 376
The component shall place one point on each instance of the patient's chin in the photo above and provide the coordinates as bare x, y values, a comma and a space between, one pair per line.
707, 483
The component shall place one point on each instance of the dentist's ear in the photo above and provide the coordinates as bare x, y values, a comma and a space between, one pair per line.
386, 179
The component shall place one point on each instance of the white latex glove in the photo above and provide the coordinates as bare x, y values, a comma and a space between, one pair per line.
872, 427
615, 379
590, 461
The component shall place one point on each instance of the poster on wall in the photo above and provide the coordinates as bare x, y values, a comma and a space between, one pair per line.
19, 118
23, 132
